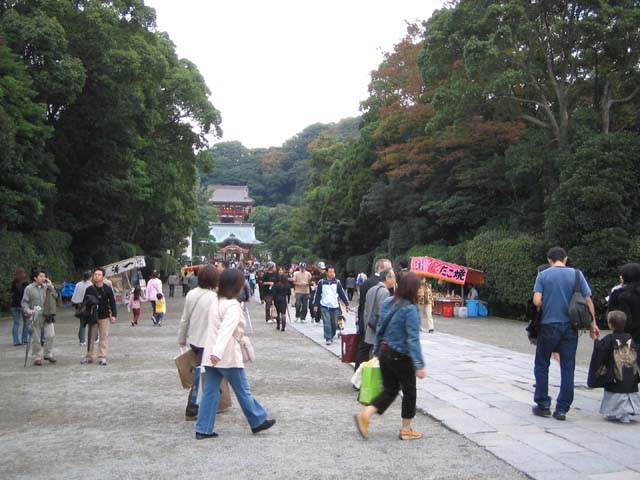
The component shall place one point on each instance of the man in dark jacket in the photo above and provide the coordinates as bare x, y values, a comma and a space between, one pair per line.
107, 314
364, 348
268, 283
327, 301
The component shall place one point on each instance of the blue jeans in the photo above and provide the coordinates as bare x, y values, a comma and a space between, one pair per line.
16, 313
172, 290
252, 409
81, 332
561, 338
330, 322
302, 301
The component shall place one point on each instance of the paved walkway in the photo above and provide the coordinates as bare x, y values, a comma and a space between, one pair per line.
485, 393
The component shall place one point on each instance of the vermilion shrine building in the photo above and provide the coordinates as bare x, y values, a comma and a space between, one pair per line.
235, 237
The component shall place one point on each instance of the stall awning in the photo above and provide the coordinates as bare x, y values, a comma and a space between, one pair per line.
447, 271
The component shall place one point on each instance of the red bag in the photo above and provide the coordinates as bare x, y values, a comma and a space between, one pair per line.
349, 347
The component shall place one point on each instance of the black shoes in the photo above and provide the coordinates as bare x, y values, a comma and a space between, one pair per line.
541, 412
264, 426
202, 436
546, 412
559, 416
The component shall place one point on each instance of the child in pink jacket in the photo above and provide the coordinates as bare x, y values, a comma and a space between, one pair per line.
134, 304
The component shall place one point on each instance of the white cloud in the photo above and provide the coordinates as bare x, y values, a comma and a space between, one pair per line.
275, 67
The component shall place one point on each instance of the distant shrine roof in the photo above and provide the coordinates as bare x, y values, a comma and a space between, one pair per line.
230, 194
244, 233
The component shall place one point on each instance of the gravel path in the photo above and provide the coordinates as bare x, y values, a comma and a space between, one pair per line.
126, 420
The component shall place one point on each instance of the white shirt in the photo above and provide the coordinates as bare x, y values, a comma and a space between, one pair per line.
78, 293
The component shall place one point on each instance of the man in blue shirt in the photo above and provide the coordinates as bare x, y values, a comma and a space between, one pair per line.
553, 290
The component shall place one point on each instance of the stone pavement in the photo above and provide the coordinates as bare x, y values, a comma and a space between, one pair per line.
485, 393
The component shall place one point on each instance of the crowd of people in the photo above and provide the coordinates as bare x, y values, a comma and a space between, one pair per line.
394, 307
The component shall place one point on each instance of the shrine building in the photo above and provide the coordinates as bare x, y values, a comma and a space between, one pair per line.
233, 203
234, 236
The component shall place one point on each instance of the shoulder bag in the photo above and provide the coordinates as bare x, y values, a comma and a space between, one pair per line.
579, 311
186, 361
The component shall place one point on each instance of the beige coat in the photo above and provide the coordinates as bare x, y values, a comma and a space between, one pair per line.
226, 321
195, 317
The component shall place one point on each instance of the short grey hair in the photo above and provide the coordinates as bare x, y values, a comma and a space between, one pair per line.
381, 264
386, 273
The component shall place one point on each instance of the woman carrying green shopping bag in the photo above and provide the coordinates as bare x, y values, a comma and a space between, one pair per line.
397, 345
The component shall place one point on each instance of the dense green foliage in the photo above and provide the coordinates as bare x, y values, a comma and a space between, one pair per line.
275, 175
492, 132
100, 125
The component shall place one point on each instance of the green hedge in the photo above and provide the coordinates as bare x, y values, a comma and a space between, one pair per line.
509, 261
48, 250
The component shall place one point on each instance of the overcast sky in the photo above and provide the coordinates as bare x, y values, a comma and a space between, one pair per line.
276, 67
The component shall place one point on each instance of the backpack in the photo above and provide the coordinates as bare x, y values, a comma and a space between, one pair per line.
624, 356
579, 312
88, 310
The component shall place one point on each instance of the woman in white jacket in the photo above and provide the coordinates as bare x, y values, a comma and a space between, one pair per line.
194, 323
222, 358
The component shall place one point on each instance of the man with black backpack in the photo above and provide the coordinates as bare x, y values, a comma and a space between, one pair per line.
553, 292
106, 314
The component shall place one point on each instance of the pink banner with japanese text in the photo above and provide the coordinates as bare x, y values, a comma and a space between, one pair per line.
432, 267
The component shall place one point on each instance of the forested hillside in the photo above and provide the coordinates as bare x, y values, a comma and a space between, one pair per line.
100, 125
275, 175
493, 131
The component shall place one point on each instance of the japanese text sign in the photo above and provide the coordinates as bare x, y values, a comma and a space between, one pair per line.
432, 267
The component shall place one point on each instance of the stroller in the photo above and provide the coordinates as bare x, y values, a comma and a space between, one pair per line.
341, 322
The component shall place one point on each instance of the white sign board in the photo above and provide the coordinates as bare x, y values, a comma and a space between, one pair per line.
124, 266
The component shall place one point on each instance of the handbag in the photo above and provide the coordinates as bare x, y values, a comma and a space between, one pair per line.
248, 353
186, 364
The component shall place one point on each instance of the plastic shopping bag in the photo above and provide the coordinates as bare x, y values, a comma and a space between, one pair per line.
371, 385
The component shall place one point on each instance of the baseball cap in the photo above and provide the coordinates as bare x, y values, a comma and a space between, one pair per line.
322, 265
302, 265
270, 264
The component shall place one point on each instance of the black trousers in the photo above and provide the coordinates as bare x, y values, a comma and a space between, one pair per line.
364, 351
398, 373
268, 301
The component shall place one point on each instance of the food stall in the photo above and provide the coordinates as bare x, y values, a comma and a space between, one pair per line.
448, 272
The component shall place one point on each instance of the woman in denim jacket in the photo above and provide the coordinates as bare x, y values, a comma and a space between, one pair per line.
397, 345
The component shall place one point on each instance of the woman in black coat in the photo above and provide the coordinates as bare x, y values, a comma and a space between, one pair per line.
627, 299
282, 291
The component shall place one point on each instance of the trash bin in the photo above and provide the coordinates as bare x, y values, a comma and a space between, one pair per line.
447, 310
472, 307
463, 312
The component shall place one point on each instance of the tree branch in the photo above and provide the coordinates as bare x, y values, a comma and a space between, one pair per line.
624, 99
535, 120
523, 100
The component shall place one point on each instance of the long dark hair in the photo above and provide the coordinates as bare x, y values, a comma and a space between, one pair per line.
19, 278
630, 273
408, 286
136, 293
